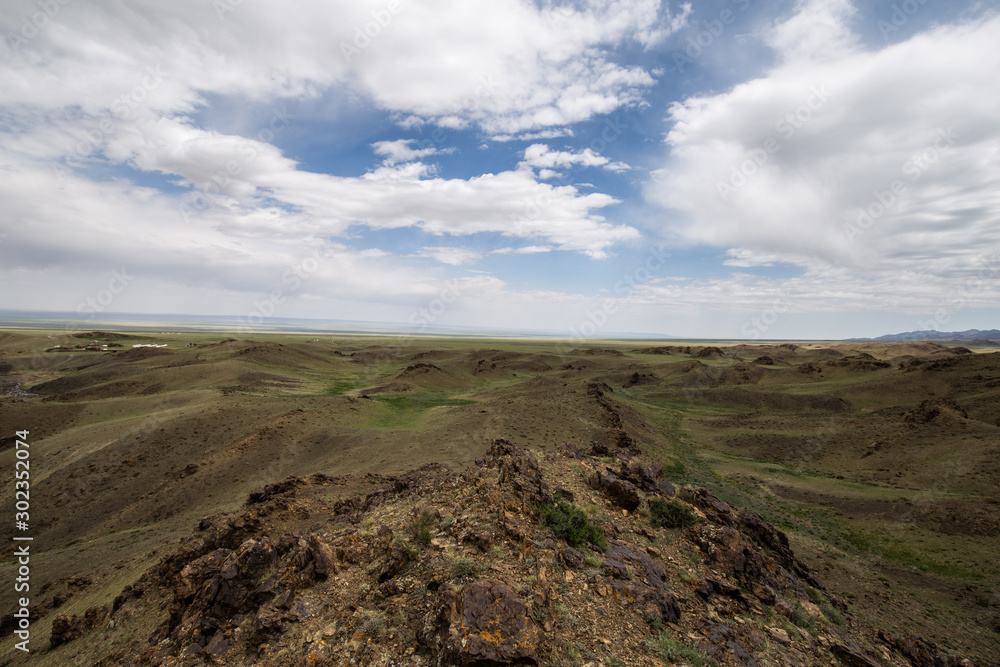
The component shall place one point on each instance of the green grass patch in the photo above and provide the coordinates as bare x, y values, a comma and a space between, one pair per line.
570, 523
906, 555
406, 410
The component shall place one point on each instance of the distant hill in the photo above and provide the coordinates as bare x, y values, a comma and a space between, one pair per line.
968, 335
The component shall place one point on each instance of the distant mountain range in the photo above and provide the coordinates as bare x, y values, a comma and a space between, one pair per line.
969, 335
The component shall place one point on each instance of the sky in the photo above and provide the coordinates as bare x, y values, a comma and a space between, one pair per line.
712, 169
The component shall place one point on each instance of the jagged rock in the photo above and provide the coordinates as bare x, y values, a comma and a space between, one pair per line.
780, 635
218, 646
622, 493
197, 571
933, 408
519, 473
922, 653
67, 628
487, 624
324, 562
272, 490
723, 644
709, 587
572, 558
716, 510
647, 478
852, 657
397, 560
766, 535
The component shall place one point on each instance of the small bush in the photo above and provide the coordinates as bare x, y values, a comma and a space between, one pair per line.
410, 551
802, 618
571, 524
677, 652
464, 567
671, 514
420, 529
372, 625
832, 613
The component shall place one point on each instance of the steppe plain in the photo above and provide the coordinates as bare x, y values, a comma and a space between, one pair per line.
881, 462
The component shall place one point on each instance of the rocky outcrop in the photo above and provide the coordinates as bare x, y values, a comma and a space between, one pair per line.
441, 568
622, 493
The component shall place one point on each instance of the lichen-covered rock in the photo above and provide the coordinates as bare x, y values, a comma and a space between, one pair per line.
486, 624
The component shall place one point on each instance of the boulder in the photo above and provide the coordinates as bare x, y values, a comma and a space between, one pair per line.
66, 627
622, 493
485, 624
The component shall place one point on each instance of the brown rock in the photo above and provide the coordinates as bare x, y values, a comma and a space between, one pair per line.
487, 624
67, 628
324, 562
397, 560
218, 647
852, 657
620, 492
572, 558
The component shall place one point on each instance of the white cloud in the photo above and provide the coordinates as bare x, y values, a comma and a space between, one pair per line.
451, 255
779, 169
400, 151
534, 136
524, 250
506, 66
542, 157
818, 29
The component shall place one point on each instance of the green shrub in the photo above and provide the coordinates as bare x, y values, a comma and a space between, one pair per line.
570, 523
677, 652
420, 529
408, 549
464, 567
802, 618
832, 613
671, 514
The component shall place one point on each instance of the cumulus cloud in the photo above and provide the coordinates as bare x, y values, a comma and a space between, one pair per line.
453, 256
400, 151
867, 161
542, 157
505, 66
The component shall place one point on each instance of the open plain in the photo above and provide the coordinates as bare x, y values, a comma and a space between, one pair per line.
880, 462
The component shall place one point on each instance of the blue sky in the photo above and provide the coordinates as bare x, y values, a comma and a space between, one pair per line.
726, 169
